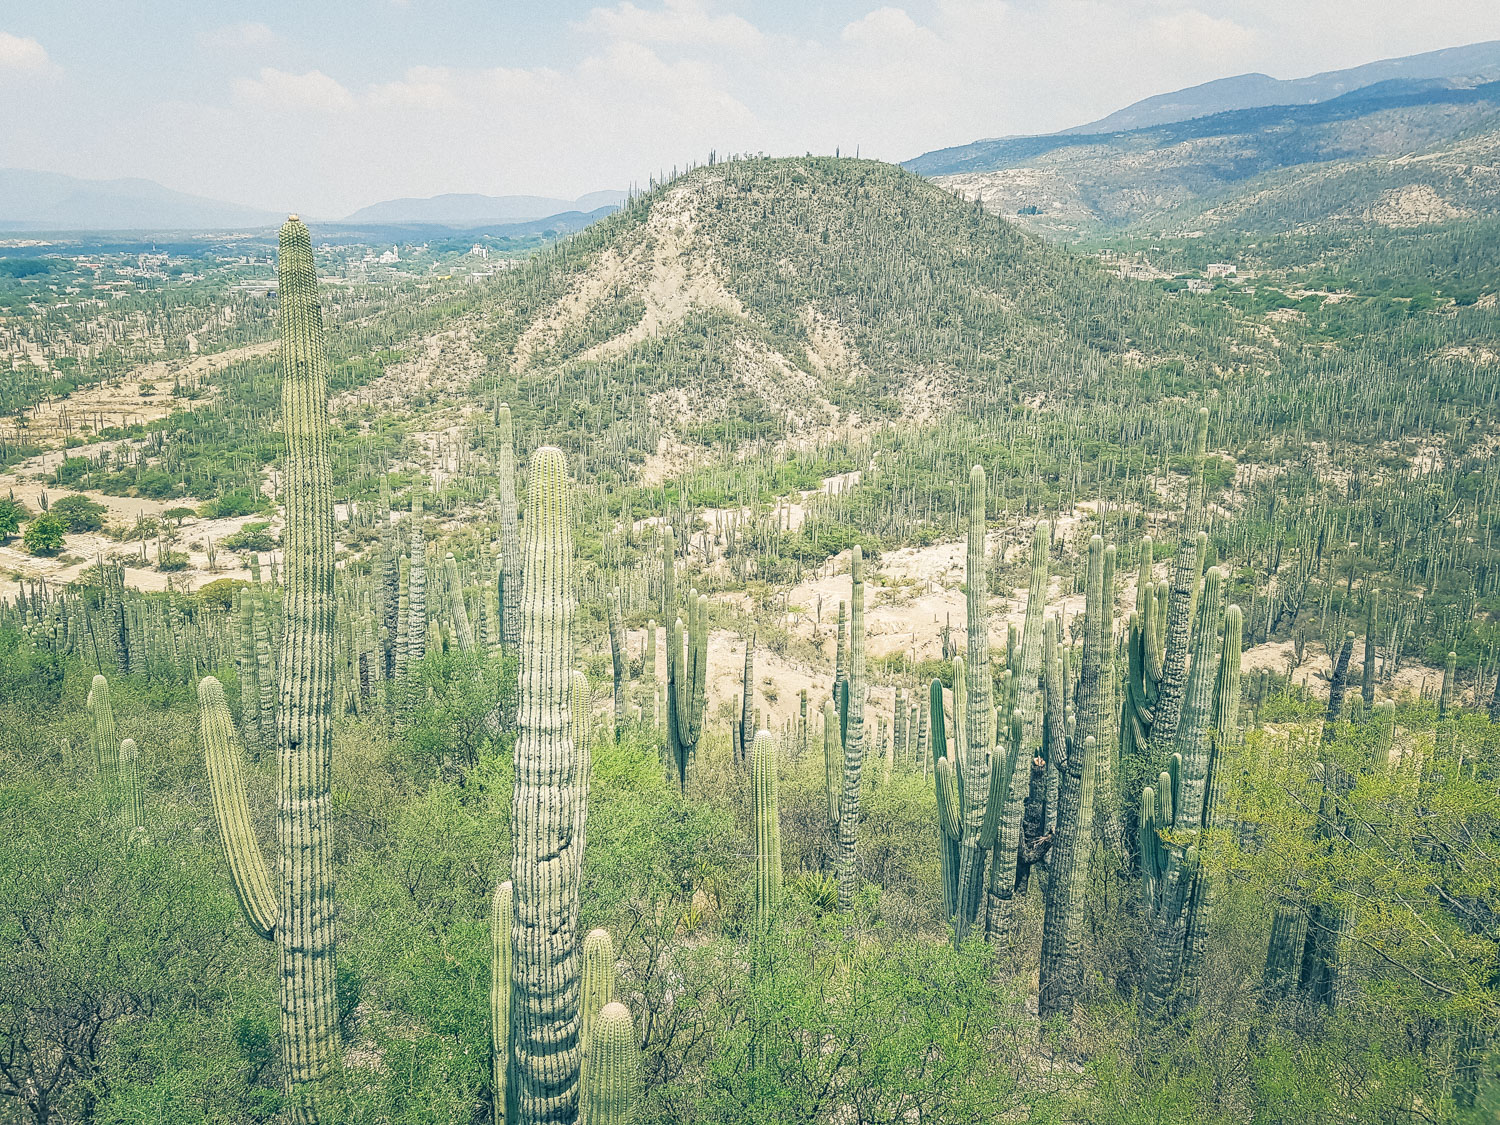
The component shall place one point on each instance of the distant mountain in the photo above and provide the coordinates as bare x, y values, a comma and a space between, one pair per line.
548, 226
478, 210
52, 201
1069, 184
1476, 62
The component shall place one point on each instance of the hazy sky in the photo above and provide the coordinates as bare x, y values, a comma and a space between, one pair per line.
326, 105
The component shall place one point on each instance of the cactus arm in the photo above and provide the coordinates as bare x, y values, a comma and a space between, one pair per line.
457, 610
596, 984
226, 781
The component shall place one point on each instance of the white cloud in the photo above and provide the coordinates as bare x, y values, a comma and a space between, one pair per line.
22, 55
281, 90
248, 35
680, 23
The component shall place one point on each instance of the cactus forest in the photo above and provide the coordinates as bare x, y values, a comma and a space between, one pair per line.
799, 649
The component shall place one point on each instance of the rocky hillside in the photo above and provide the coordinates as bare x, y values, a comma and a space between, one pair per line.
1070, 185
789, 298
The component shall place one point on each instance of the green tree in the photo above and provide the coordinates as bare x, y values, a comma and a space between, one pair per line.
80, 513
45, 534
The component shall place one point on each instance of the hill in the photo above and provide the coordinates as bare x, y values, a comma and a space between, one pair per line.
478, 210
52, 201
1477, 61
1068, 185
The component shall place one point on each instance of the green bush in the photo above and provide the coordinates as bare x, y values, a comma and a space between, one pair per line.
80, 513
45, 534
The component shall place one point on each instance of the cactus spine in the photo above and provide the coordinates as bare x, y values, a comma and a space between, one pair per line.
765, 817
544, 816
501, 907
612, 1083
854, 743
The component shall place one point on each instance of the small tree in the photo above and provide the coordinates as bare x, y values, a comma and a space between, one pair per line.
12, 512
80, 513
45, 534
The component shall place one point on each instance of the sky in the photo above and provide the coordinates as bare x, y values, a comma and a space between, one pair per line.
324, 106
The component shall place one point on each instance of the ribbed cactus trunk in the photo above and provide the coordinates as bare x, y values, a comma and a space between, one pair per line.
1186, 568
612, 1083
979, 732
618, 660
597, 984
1367, 674
544, 815
854, 740
416, 626
132, 798
1450, 675
1338, 685
106, 742
511, 563
765, 819
747, 702
305, 929
1078, 785
502, 908
1028, 743
833, 761
463, 631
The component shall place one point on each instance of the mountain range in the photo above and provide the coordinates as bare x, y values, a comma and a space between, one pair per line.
37, 201
466, 211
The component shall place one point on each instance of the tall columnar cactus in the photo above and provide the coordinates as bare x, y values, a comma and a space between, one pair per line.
1450, 673
1367, 674
132, 798
544, 816
249, 670
300, 917
619, 661
457, 610
265, 678
978, 732
765, 818
1338, 684
1079, 774
1029, 742
854, 737
1186, 568
597, 986
687, 684
511, 560
102, 734
840, 658
1175, 814
612, 1084
747, 703
833, 761
501, 911
649, 690
416, 627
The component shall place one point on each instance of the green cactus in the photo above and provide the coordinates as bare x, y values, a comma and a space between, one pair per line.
511, 560
248, 668
544, 814
130, 785
612, 1084
597, 984
1338, 684
1028, 742
618, 660
854, 746
501, 911
102, 734
747, 703
1078, 786
1367, 674
300, 917
416, 627
687, 678
457, 610
1445, 698
833, 760
978, 729
765, 817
